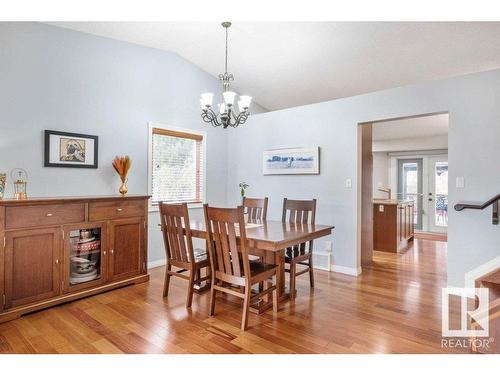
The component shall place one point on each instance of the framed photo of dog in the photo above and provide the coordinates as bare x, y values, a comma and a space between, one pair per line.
70, 150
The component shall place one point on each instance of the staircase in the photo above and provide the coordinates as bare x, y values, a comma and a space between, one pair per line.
492, 282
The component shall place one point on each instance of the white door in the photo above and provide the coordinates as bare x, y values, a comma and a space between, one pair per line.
437, 199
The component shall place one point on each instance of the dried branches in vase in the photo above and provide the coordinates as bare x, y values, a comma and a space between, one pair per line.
122, 164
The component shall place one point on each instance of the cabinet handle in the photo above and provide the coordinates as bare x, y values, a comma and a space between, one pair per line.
112, 251
49, 215
104, 252
119, 209
57, 261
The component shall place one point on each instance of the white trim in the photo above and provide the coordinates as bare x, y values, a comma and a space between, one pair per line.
410, 154
152, 125
328, 256
157, 263
347, 270
334, 268
483, 269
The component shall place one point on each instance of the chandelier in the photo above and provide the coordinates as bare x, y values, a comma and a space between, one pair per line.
227, 114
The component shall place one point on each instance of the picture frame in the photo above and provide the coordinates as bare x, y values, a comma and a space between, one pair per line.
291, 161
70, 150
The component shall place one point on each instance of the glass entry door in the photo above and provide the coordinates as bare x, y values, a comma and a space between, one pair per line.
410, 185
437, 199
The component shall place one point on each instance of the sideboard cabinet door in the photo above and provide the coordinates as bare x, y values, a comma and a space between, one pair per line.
126, 240
32, 266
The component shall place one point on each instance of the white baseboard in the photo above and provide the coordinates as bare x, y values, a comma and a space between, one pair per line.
347, 270
483, 269
340, 269
157, 263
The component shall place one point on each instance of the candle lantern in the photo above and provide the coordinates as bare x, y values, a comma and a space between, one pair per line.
20, 178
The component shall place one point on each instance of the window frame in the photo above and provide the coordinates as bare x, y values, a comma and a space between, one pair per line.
153, 125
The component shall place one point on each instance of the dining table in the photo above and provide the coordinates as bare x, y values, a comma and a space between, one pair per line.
270, 239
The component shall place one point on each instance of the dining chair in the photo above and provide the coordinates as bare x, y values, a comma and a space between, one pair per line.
180, 252
299, 212
255, 208
232, 271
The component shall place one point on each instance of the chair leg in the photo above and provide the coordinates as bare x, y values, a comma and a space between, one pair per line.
212, 297
293, 269
198, 276
192, 278
166, 284
275, 296
246, 307
311, 272
261, 284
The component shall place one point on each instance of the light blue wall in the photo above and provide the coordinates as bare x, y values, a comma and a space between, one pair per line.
474, 153
54, 78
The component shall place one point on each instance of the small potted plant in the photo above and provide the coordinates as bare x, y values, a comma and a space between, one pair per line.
122, 166
243, 186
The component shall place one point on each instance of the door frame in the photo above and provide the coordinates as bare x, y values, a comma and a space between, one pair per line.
393, 176
420, 189
365, 227
431, 207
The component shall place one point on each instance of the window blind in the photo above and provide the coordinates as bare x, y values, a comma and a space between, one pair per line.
176, 167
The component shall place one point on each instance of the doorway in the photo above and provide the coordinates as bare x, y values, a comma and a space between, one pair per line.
402, 162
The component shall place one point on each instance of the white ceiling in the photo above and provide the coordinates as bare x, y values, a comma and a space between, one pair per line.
416, 127
294, 63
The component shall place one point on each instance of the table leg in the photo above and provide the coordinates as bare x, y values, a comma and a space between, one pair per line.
279, 259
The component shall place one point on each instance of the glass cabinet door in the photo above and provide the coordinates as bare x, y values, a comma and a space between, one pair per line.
84, 256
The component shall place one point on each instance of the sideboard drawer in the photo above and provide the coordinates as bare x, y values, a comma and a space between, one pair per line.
43, 215
116, 209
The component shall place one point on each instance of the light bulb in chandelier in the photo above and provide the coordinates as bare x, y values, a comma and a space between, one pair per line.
206, 100
229, 98
244, 102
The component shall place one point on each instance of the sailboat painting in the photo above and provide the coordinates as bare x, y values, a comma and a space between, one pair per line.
291, 161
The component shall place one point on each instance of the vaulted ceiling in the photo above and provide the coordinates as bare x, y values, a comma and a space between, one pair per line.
294, 63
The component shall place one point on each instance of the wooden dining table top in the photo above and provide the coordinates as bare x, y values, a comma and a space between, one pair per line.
272, 235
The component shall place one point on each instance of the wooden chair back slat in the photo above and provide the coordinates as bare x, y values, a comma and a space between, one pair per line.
176, 232
222, 241
234, 254
256, 208
299, 212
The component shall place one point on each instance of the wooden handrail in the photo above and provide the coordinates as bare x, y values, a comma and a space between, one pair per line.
477, 206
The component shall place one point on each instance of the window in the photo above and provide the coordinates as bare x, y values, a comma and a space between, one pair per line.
176, 166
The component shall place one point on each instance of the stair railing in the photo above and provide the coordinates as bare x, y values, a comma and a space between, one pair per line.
477, 206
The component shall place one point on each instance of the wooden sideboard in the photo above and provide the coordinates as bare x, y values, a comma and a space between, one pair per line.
56, 250
393, 224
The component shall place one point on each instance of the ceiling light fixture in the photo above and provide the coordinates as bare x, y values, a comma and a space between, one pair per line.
227, 115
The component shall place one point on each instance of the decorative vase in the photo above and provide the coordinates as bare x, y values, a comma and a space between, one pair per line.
123, 188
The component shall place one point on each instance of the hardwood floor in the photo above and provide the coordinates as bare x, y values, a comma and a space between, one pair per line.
394, 307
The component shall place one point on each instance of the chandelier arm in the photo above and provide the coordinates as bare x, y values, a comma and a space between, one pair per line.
215, 120
241, 118
209, 116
